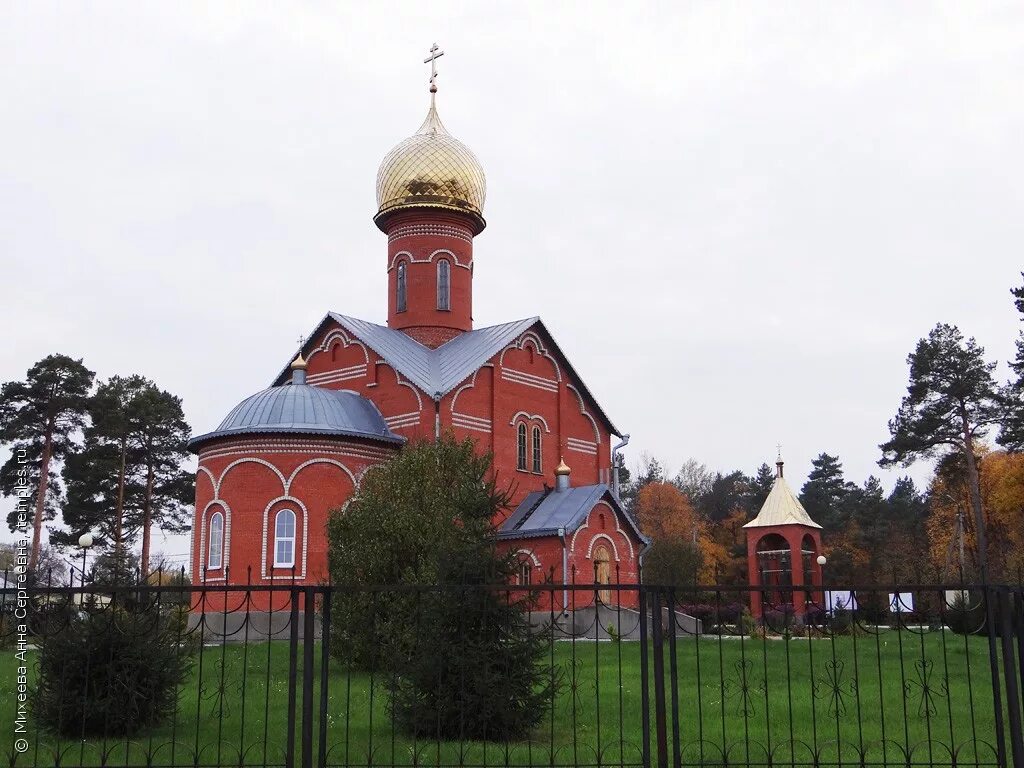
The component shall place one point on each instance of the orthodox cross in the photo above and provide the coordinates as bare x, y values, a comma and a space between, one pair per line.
435, 54
301, 340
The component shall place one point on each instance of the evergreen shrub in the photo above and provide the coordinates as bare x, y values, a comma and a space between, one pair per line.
418, 595
112, 672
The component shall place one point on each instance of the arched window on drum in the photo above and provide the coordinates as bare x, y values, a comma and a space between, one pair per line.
215, 554
284, 539
401, 288
444, 289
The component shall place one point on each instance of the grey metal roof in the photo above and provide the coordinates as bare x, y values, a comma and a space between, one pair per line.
544, 513
439, 371
436, 370
306, 410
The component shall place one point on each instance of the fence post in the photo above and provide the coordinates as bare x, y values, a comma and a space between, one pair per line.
993, 662
1006, 628
1018, 612
659, 680
325, 658
645, 693
308, 637
293, 667
674, 678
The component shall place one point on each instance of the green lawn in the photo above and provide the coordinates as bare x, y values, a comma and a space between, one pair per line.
741, 699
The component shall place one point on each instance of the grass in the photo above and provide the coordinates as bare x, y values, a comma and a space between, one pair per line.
896, 697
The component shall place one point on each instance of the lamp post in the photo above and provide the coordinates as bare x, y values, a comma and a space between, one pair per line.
821, 560
84, 541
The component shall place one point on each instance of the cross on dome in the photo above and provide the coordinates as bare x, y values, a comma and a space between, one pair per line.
435, 54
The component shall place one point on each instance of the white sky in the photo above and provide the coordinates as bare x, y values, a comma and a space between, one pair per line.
736, 218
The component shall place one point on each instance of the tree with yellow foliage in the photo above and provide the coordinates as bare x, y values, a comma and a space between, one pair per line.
952, 529
670, 519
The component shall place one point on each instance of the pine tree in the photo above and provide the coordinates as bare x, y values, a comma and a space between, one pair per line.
952, 401
824, 491
129, 477
40, 418
104, 487
649, 471
1012, 434
158, 436
727, 493
760, 485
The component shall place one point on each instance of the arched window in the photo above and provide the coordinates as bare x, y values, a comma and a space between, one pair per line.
536, 450
525, 572
215, 557
521, 447
284, 539
443, 284
400, 288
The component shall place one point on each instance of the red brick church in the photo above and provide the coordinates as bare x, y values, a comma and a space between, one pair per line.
287, 455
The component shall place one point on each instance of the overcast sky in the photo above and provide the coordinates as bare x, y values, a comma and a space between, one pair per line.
736, 219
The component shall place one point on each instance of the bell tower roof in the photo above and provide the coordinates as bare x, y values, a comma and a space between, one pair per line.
782, 507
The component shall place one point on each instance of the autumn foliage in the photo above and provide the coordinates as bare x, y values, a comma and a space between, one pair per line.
1001, 476
670, 519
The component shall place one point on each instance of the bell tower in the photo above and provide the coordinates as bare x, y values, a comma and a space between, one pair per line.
430, 197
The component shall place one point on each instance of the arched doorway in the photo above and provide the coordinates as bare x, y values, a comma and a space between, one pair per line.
602, 558
775, 570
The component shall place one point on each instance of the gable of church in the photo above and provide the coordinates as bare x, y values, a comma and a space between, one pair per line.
343, 352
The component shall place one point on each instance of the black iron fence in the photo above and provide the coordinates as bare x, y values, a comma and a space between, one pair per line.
913, 674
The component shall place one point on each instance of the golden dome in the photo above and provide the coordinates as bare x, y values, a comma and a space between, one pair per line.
562, 468
431, 168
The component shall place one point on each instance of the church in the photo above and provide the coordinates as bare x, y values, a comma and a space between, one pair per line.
283, 458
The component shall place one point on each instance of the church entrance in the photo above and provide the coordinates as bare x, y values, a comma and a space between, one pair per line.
603, 571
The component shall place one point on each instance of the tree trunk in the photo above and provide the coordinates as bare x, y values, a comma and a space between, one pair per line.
147, 521
44, 487
975, 486
119, 509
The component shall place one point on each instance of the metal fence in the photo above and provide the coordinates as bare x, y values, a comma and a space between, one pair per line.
911, 674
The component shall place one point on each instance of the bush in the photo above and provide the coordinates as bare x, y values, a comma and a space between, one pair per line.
112, 673
841, 622
672, 562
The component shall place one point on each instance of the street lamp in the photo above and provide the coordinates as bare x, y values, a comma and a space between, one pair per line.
821, 560
84, 541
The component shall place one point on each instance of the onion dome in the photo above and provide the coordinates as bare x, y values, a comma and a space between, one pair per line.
431, 169
301, 409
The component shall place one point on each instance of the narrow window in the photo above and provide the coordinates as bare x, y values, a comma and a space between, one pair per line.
284, 539
521, 447
525, 572
400, 288
215, 556
443, 284
536, 450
